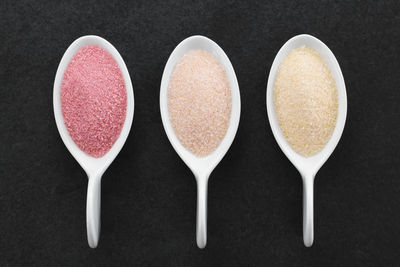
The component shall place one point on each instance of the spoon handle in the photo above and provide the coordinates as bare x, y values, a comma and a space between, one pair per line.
201, 226
93, 210
308, 210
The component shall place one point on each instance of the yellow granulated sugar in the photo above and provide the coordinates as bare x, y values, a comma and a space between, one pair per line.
305, 100
199, 102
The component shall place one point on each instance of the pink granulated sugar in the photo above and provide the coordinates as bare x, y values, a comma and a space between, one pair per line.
199, 102
93, 100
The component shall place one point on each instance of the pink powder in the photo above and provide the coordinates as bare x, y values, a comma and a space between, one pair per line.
93, 100
199, 102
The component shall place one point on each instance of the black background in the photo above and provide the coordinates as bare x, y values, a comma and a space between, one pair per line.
148, 194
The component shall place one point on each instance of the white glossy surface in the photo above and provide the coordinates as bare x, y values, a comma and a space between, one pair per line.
94, 167
201, 167
308, 166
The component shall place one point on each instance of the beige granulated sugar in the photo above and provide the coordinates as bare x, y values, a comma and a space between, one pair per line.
199, 102
305, 100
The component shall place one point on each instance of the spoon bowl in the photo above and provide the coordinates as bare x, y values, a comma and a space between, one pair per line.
308, 166
200, 166
94, 167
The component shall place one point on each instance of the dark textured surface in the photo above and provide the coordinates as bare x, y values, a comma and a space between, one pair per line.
149, 195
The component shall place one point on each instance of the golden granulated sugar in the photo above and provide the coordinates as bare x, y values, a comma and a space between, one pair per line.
305, 100
199, 102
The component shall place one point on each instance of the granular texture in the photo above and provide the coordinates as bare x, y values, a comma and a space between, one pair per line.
93, 100
199, 102
305, 100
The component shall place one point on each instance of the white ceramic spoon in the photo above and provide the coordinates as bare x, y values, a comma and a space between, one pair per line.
308, 166
201, 167
94, 167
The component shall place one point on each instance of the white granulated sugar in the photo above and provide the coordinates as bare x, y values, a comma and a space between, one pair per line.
305, 100
199, 102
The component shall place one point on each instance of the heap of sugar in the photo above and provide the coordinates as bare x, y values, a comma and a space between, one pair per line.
305, 100
93, 100
199, 102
